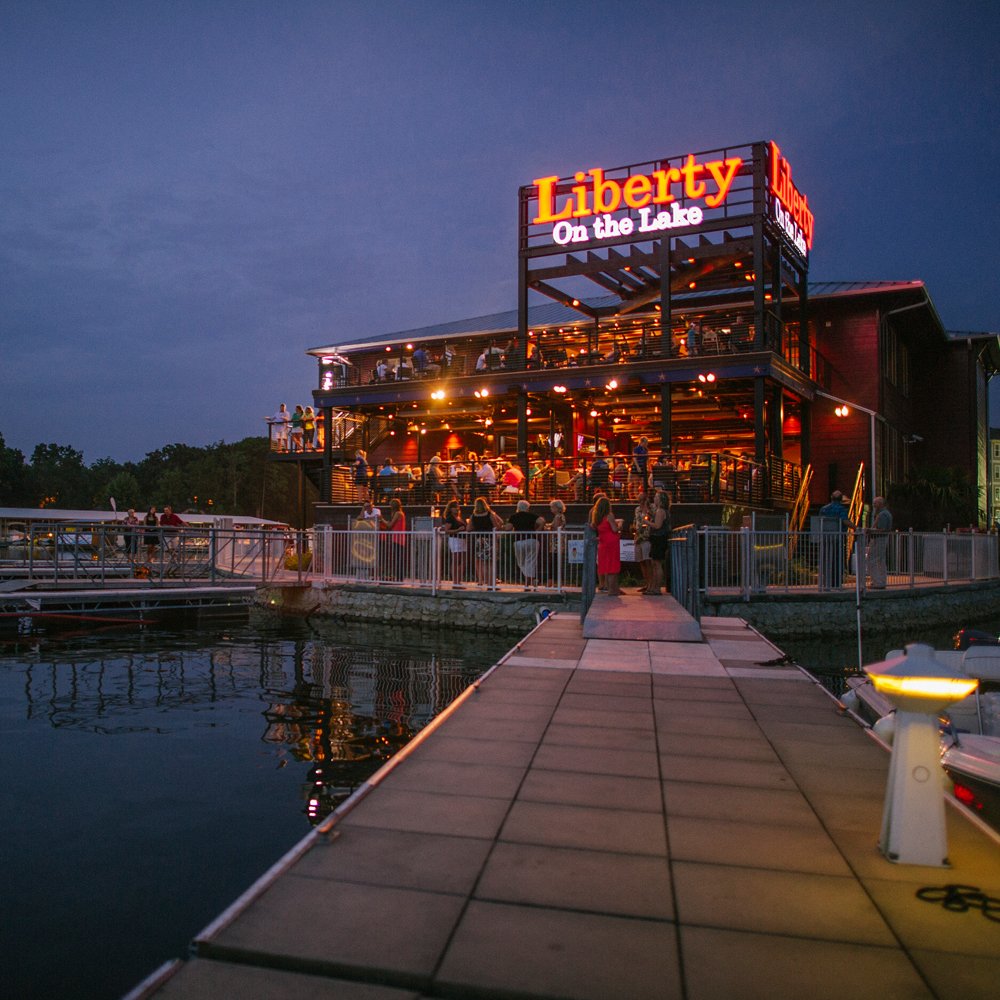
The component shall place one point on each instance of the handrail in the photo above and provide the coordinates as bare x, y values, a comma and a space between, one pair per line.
746, 563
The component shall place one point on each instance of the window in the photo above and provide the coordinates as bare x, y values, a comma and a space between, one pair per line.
895, 361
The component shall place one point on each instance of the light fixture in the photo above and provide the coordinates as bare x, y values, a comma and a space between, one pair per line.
437, 394
706, 377
842, 411
575, 303
921, 687
613, 384
558, 388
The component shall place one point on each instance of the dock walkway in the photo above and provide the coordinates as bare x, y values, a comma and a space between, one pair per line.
614, 816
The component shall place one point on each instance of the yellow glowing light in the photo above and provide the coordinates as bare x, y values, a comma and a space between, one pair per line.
952, 688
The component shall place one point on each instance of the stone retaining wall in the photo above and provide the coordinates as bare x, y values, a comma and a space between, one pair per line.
829, 615
472, 609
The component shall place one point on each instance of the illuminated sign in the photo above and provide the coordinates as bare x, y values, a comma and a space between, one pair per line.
791, 207
599, 196
599, 207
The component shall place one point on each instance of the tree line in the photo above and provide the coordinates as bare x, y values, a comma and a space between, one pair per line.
230, 479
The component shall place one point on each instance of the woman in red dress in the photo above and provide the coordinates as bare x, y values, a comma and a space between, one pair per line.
609, 562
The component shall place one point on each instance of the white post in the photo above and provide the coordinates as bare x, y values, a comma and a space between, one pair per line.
913, 819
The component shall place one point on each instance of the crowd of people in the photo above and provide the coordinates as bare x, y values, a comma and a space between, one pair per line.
151, 533
471, 539
300, 430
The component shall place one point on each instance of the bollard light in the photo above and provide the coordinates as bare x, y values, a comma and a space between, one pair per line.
920, 687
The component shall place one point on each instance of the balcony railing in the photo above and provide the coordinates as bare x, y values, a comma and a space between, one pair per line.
710, 334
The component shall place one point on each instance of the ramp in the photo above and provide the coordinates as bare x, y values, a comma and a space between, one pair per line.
656, 618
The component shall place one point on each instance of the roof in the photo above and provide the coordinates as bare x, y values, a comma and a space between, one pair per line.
556, 314
826, 289
46, 514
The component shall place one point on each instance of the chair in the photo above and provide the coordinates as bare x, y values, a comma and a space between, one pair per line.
599, 478
466, 484
666, 480
709, 342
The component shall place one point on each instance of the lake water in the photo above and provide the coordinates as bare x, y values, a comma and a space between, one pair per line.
151, 775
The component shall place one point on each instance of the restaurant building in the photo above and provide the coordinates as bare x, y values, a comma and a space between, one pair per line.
669, 301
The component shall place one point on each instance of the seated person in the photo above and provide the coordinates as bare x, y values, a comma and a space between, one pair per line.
483, 361
600, 471
435, 478
619, 477
485, 473
513, 480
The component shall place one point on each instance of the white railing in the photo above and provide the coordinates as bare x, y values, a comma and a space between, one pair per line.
543, 560
758, 562
110, 551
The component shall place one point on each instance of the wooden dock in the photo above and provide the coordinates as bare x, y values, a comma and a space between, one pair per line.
639, 809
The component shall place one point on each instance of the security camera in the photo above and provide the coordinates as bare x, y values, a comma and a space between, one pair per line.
913, 439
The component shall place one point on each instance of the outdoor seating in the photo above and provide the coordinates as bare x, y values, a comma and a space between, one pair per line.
386, 487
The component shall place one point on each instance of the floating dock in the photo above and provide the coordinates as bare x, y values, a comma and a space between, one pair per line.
641, 807
122, 601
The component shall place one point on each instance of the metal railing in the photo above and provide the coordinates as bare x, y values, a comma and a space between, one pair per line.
749, 563
545, 560
102, 553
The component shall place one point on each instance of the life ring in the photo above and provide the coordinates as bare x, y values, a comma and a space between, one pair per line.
363, 543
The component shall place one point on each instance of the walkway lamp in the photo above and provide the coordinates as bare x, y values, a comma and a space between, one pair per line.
844, 410
920, 687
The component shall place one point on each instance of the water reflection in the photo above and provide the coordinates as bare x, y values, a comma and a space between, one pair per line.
188, 758
340, 705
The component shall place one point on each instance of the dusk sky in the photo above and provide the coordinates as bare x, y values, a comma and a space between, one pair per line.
193, 193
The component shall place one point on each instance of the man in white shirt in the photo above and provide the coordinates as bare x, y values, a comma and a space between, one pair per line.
279, 424
486, 474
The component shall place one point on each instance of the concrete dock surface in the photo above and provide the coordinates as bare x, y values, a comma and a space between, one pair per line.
619, 817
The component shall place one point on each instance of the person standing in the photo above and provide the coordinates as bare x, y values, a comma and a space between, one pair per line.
878, 543
554, 541
640, 459
483, 524
396, 532
659, 540
454, 527
609, 557
131, 535
169, 525
151, 533
308, 428
831, 556
296, 429
279, 428
360, 470
640, 534
525, 526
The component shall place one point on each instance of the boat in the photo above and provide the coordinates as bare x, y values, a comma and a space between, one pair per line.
970, 730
